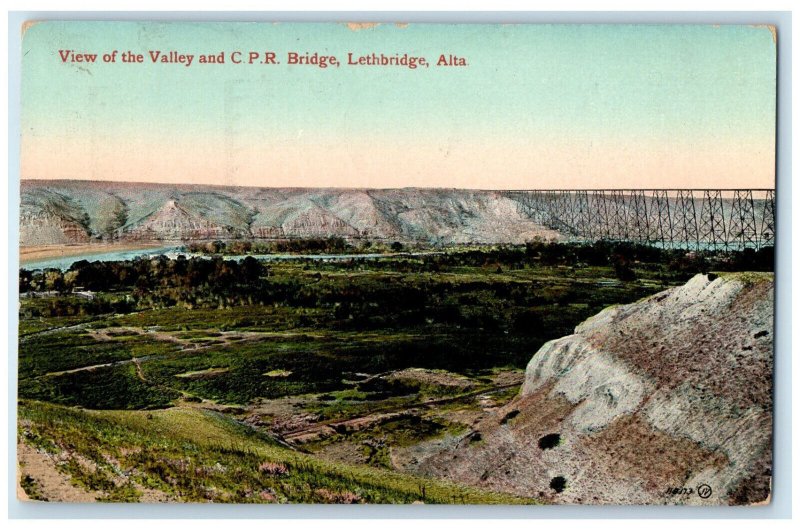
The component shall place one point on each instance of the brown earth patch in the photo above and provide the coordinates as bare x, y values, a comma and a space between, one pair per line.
631, 446
37, 252
52, 484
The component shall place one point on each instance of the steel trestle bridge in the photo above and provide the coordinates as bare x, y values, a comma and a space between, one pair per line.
701, 219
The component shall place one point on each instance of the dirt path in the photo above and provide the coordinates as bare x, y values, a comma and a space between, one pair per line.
227, 338
139, 372
50, 331
80, 325
161, 336
330, 427
45, 479
101, 365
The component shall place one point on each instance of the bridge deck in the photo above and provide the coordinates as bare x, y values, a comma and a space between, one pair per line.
672, 218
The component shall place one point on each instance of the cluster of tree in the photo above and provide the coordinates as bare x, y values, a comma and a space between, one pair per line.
366, 303
314, 245
146, 275
622, 256
73, 306
217, 283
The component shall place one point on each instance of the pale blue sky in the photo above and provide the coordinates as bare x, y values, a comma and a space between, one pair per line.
543, 84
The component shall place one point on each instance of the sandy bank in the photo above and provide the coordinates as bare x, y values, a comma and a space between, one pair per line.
38, 252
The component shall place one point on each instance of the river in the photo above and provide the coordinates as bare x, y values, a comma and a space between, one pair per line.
65, 262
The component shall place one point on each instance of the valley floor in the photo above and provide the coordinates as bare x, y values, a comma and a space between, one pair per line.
213, 381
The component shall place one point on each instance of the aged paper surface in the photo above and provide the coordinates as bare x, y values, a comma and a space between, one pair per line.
396, 263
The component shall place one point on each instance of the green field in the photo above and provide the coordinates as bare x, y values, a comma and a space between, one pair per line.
184, 377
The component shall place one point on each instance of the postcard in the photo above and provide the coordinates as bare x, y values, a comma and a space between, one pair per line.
361, 263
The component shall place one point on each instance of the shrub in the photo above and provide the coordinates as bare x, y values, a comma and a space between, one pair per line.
273, 468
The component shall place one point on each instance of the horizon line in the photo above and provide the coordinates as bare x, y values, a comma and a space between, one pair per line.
348, 188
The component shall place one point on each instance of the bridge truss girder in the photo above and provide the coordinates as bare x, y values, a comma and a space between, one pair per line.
679, 218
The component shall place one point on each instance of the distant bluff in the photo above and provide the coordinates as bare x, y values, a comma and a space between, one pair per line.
64, 212
664, 401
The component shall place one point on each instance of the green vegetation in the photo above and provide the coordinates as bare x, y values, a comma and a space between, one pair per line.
311, 245
748, 278
31, 488
107, 387
193, 456
160, 342
227, 323
375, 441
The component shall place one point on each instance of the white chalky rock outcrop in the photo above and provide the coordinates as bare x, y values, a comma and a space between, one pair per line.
664, 401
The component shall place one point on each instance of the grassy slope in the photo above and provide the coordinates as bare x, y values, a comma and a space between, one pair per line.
197, 456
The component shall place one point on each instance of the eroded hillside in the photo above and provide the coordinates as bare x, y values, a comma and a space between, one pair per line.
664, 401
64, 212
